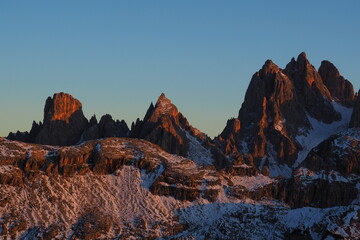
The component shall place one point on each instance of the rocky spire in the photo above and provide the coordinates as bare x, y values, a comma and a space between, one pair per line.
310, 89
161, 125
340, 88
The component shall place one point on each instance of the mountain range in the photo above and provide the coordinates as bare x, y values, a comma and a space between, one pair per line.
288, 167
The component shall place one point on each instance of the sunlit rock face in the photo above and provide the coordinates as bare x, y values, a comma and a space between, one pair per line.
61, 107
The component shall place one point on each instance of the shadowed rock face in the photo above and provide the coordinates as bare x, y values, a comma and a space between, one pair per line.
340, 153
340, 88
277, 107
355, 117
107, 127
311, 91
271, 98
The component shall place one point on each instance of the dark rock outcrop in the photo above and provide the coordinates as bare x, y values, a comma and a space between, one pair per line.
340, 153
107, 127
28, 137
355, 117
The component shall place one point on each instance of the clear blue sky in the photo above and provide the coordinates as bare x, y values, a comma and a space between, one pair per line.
118, 56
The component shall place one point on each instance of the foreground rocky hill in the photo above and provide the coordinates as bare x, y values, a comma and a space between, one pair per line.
121, 188
288, 167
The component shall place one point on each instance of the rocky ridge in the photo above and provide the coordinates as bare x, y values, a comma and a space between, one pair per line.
64, 124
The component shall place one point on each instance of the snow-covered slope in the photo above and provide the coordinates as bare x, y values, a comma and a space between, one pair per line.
256, 221
127, 189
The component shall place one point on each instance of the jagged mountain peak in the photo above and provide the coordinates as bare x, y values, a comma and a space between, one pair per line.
165, 126
164, 106
280, 107
302, 57
269, 69
298, 65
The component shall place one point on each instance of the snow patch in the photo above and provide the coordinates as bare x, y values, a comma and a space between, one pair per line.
275, 168
251, 221
321, 131
98, 147
332, 176
252, 183
347, 140
197, 152
149, 178
244, 147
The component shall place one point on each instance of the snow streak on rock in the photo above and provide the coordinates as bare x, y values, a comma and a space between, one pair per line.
320, 131
199, 153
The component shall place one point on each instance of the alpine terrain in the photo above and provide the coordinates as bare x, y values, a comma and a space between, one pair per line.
287, 167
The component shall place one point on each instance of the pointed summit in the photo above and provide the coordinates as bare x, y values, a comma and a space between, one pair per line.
164, 106
165, 126
268, 69
302, 57
162, 97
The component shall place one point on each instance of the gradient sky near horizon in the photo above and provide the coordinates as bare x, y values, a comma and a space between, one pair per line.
118, 56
